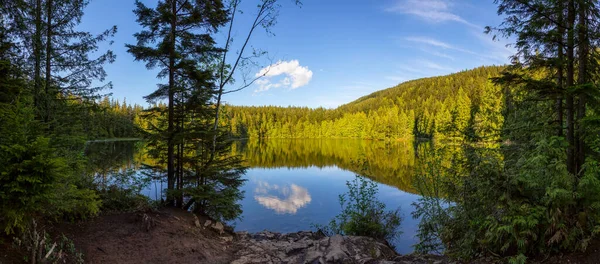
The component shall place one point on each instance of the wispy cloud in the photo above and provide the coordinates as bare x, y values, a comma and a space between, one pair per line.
497, 50
438, 54
429, 41
414, 71
488, 51
434, 66
396, 78
434, 11
418, 68
438, 44
295, 75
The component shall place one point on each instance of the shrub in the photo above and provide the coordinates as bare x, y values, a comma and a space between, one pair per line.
35, 180
512, 204
363, 214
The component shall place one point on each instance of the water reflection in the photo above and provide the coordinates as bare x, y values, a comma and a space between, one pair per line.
392, 163
294, 197
294, 184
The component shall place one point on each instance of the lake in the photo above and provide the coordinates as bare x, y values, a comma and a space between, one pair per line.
293, 184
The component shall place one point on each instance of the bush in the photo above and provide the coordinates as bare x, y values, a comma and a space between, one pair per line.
363, 215
35, 181
117, 199
512, 204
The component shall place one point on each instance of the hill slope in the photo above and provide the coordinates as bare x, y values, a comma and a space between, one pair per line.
433, 89
445, 106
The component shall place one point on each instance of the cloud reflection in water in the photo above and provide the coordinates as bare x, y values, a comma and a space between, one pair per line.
294, 197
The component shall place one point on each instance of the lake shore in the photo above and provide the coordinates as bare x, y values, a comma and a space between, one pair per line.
172, 235
176, 236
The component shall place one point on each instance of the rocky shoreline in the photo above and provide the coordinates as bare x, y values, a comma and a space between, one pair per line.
309, 247
313, 247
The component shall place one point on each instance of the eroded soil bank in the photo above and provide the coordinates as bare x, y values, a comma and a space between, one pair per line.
176, 236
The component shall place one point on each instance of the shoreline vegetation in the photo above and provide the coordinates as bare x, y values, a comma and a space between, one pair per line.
534, 198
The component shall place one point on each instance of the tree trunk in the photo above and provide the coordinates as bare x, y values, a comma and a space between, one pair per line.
181, 152
171, 127
216, 125
37, 54
581, 80
49, 96
570, 80
560, 72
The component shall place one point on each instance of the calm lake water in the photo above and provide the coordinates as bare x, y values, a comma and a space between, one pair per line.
294, 184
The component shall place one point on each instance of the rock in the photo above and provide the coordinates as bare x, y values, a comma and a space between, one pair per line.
148, 222
219, 227
310, 247
207, 223
227, 238
295, 247
243, 235
335, 251
196, 221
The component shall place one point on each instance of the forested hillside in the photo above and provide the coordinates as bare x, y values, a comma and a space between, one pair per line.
456, 106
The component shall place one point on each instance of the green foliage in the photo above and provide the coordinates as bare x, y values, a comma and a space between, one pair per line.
213, 180
41, 163
532, 207
33, 179
112, 119
363, 215
442, 107
430, 180
119, 199
183, 135
26, 179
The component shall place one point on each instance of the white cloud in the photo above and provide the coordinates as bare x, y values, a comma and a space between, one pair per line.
295, 75
434, 11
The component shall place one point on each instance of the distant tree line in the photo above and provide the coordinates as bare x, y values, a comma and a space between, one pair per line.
460, 106
114, 119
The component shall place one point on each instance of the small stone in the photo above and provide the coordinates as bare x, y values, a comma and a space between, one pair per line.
269, 235
196, 221
218, 226
295, 247
207, 223
227, 238
242, 234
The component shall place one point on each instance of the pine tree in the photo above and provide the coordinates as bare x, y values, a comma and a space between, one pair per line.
170, 42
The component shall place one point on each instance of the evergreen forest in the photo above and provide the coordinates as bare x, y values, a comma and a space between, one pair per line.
512, 167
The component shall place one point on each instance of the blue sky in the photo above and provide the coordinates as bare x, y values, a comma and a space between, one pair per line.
329, 52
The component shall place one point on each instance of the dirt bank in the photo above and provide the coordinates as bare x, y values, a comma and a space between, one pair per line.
176, 236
